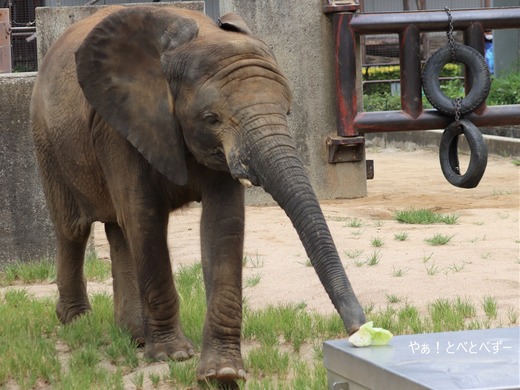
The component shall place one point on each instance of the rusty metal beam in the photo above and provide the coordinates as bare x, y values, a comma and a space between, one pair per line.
5, 41
391, 121
410, 55
348, 73
395, 22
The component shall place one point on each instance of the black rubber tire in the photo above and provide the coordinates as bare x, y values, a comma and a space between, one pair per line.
449, 159
481, 79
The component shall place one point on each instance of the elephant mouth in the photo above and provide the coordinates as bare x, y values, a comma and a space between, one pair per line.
241, 170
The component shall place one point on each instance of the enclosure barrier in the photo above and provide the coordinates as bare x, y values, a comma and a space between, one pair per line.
5, 41
349, 26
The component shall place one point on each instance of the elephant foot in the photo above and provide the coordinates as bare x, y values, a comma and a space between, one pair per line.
222, 369
68, 310
180, 348
134, 327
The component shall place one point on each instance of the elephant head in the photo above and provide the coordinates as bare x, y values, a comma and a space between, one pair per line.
175, 84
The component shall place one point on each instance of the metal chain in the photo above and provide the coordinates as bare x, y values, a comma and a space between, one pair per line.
458, 104
449, 34
451, 42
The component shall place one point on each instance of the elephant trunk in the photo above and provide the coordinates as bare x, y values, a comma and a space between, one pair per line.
281, 173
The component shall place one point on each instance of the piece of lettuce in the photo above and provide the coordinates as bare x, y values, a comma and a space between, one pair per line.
368, 335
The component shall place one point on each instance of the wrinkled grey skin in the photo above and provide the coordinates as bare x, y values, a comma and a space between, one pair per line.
138, 111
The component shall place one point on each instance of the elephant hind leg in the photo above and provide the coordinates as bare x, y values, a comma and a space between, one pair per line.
72, 230
127, 303
72, 286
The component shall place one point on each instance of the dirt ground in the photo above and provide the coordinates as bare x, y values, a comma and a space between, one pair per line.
481, 259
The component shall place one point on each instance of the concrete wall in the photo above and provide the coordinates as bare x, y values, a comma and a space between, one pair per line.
301, 38
51, 22
25, 230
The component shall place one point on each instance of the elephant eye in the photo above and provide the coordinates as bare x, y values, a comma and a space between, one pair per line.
211, 118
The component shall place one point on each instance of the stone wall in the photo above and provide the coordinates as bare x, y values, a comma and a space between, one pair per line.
25, 230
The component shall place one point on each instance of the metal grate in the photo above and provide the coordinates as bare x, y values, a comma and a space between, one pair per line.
18, 28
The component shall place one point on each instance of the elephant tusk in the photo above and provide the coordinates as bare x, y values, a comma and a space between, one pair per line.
245, 182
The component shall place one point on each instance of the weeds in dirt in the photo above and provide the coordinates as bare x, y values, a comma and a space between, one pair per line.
374, 258
377, 242
353, 254
424, 217
392, 298
456, 267
431, 269
512, 315
490, 306
354, 223
438, 239
401, 236
253, 261
379, 223
306, 263
284, 341
253, 280
357, 232
398, 272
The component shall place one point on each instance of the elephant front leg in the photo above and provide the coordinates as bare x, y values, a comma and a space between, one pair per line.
222, 239
127, 303
163, 335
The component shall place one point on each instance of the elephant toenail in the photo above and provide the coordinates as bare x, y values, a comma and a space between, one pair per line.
211, 372
227, 371
161, 356
180, 355
241, 373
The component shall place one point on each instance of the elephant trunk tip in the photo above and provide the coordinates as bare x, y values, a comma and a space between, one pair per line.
353, 318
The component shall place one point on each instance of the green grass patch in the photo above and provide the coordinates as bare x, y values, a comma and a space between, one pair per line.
424, 217
284, 341
401, 236
44, 271
438, 239
377, 242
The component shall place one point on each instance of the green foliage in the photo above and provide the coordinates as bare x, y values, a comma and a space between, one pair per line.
505, 90
377, 97
424, 216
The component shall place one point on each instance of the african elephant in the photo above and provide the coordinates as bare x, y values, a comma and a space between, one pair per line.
137, 111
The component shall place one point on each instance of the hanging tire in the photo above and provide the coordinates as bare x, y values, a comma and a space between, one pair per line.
449, 159
481, 79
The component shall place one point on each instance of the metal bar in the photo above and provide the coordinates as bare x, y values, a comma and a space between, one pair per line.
410, 71
395, 22
5, 41
26, 29
390, 121
474, 37
348, 76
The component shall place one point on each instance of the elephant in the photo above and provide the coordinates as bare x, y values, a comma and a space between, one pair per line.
137, 111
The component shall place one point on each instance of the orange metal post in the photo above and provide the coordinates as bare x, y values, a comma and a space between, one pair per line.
5, 41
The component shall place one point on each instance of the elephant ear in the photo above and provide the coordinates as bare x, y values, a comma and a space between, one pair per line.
233, 22
119, 70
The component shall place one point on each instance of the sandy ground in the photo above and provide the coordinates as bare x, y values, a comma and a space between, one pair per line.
482, 258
